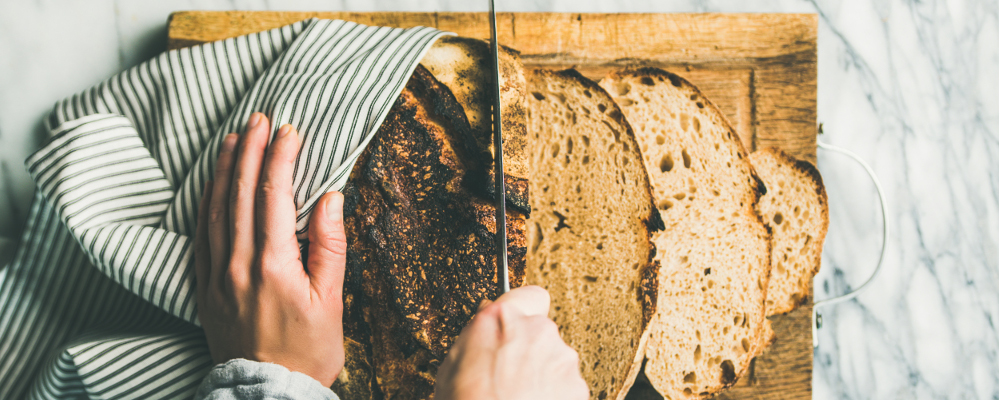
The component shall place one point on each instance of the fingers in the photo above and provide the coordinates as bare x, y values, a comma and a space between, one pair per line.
328, 244
275, 206
526, 303
529, 300
514, 325
511, 349
532, 353
484, 328
242, 192
218, 209
202, 254
470, 359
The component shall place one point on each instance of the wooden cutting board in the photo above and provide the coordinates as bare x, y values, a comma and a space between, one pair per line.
760, 69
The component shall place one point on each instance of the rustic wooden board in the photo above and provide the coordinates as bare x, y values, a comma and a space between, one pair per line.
760, 69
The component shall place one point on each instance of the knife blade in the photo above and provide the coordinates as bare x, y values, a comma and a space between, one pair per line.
503, 280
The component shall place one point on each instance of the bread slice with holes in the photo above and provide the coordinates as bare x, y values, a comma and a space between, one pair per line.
795, 208
714, 254
590, 227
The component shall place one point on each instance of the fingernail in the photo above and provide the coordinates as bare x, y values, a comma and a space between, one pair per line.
229, 143
335, 207
284, 130
254, 120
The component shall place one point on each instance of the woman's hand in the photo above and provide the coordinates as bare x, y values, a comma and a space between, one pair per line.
256, 299
511, 350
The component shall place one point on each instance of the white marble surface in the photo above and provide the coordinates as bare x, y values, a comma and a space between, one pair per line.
911, 86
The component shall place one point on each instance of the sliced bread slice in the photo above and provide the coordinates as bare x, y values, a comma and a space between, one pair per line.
590, 227
714, 254
795, 208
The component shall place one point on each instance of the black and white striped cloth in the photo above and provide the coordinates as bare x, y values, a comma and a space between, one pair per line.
98, 302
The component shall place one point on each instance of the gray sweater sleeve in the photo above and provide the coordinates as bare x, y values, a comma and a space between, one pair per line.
244, 379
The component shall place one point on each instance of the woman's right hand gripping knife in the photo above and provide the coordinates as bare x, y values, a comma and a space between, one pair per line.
512, 350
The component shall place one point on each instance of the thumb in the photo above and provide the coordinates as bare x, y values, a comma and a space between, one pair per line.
328, 244
530, 300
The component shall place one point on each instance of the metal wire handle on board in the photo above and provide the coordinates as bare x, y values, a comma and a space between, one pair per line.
817, 317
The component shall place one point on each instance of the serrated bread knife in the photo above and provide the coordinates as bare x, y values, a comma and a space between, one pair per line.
498, 178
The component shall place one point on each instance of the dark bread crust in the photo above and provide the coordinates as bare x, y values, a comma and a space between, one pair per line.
515, 133
421, 239
470, 75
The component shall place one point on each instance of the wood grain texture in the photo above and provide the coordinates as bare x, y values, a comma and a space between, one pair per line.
760, 69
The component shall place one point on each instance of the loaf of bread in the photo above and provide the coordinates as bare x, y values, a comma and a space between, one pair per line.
610, 166
795, 208
421, 253
714, 254
590, 227
464, 66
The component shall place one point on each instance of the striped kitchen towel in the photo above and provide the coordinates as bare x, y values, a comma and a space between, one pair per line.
98, 301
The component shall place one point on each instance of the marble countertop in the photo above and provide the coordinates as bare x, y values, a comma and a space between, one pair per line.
912, 87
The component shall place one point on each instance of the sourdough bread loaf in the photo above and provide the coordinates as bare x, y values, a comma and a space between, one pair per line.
421, 251
590, 226
714, 254
795, 207
464, 66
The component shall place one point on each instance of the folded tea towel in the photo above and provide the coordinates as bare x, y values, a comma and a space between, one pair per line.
98, 302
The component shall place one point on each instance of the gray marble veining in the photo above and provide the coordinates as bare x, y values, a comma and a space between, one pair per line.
911, 86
